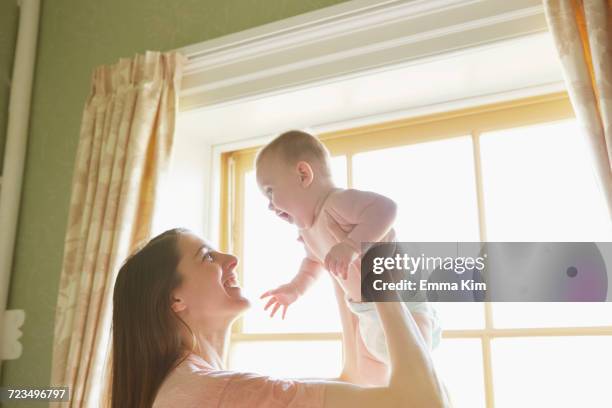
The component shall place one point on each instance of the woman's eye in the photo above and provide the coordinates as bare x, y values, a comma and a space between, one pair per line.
206, 256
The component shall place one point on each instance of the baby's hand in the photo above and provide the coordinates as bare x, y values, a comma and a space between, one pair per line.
339, 258
283, 296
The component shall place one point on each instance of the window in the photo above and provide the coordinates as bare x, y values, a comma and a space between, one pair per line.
511, 171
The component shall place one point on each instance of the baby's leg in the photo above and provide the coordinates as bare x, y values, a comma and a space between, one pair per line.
371, 329
425, 326
352, 285
426, 319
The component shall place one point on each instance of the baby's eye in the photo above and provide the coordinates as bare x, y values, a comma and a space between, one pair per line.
207, 256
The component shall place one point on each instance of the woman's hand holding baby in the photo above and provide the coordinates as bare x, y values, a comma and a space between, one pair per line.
283, 296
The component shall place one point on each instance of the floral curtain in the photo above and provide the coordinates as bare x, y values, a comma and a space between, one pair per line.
582, 31
125, 141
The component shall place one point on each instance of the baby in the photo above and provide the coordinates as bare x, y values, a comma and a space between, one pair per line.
293, 172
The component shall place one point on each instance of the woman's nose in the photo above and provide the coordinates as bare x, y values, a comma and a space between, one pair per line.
270, 206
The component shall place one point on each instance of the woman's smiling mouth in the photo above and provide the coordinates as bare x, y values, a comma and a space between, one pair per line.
284, 216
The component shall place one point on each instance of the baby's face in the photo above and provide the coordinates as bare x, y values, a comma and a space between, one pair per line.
280, 183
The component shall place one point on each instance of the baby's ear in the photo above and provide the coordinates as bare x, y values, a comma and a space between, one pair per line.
305, 173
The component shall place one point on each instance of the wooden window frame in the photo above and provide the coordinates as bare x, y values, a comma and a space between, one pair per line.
460, 123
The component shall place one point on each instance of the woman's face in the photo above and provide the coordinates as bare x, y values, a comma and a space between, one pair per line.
209, 288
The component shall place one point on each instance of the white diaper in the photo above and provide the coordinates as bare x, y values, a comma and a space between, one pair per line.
372, 332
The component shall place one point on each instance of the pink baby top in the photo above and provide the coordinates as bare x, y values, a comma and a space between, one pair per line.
363, 215
194, 383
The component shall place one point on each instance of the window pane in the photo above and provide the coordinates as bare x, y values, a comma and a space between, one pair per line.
458, 316
288, 358
338, 168
271, 257
539, 185
459, 363
433, 185
571, 314
552, 372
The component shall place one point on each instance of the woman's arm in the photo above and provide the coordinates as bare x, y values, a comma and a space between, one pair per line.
360, 366
413, 381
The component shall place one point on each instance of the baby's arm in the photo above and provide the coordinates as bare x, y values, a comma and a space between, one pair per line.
371, 215
310, 271
288, 293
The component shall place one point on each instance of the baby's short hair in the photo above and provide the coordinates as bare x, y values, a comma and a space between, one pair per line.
294, 146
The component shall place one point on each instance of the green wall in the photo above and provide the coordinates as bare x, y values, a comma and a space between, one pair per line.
8, 32
76, 36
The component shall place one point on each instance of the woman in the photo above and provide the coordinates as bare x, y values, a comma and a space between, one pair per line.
173, 305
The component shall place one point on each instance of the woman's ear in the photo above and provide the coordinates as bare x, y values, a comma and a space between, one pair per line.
305, 173
178, 305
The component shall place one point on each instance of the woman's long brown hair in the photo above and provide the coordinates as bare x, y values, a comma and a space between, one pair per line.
146, 340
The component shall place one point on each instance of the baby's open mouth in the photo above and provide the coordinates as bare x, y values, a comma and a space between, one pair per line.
230, 282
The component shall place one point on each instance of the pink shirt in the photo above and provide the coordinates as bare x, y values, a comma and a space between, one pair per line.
194, 383
363, 215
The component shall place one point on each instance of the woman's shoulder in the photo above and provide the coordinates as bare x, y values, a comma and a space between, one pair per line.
195, 383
